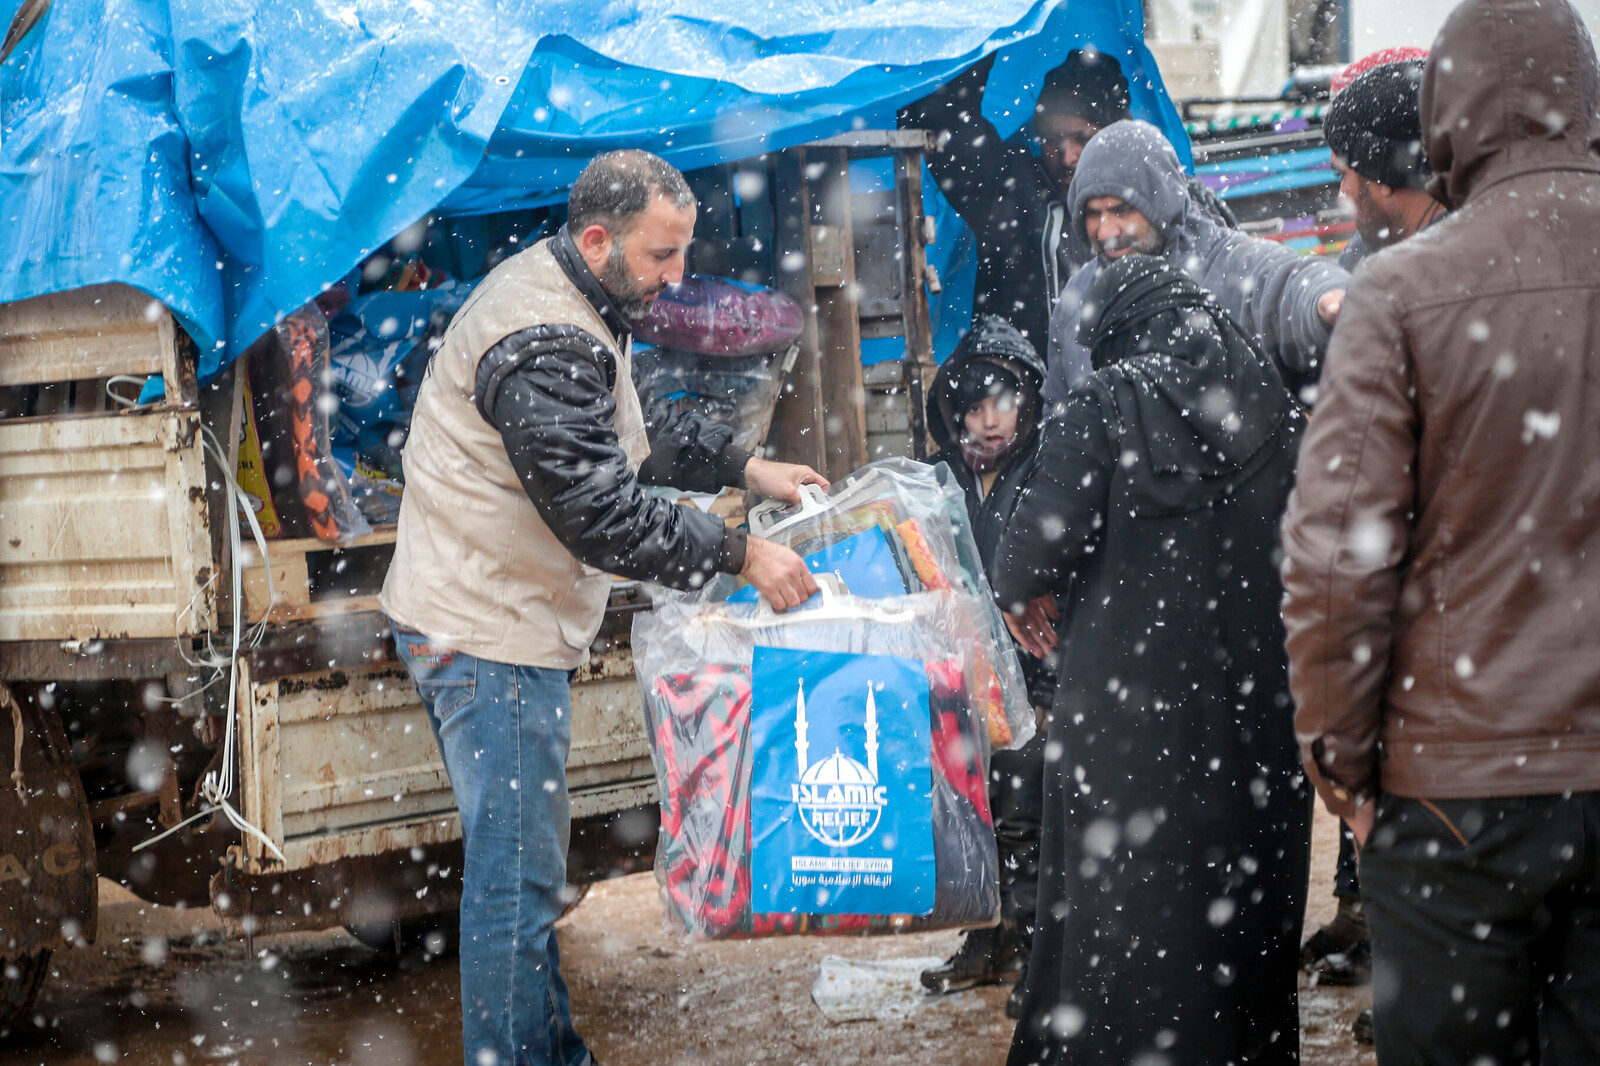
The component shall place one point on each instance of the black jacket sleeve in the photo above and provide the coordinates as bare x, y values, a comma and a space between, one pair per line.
547, 391
690, 452
1061, 510
996, 187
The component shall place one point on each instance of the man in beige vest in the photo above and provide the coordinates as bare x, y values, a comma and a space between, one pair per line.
524, 490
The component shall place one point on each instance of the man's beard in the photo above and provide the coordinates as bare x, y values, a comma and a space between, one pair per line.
1062, 181
1377, 228
631, 299
1151, 243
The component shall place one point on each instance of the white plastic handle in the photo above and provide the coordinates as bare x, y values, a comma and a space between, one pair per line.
829, 587
813, 501
837, 606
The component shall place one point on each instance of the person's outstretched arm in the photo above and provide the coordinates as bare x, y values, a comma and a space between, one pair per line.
1060, 514
1346, 537
987, 181
1279, 295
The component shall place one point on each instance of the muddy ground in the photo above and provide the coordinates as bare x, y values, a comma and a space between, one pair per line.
160, 987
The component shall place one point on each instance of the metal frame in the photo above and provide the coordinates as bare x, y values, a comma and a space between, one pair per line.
821, 416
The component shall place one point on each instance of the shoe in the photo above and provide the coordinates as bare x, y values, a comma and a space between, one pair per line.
1345, 969
1348, 928
986, 957
1361, 1029
1014, 1000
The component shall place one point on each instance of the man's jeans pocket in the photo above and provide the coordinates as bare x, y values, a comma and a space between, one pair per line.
446, 679
445, 698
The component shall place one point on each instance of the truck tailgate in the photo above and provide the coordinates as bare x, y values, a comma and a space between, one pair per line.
104, 527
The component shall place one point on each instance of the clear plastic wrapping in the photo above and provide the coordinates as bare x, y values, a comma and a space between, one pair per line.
821, 771
922, 513
288, 380
734, 391
718, 316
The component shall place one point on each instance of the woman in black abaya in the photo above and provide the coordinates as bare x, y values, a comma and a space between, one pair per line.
1176, 833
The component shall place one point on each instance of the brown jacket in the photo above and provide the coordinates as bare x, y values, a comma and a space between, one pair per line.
1442, 569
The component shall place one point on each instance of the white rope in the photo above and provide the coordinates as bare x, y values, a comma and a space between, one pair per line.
217, 786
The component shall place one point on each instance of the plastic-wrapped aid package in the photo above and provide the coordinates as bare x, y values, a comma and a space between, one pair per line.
921, 514
718, 316
822, 771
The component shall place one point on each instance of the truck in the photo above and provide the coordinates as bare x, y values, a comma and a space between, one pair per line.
124, 595
216, 720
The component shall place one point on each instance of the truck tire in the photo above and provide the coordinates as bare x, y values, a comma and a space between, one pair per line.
19, 984
48, 894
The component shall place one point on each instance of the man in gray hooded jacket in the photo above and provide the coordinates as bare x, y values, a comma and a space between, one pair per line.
1130, 194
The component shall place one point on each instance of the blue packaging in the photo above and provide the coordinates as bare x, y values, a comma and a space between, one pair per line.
841, 816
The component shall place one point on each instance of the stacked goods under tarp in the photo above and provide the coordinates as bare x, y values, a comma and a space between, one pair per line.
804, 758
331, 389
381, 344
286, 463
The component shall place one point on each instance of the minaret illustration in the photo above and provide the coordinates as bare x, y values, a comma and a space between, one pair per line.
872, 734
800, 746
840, 800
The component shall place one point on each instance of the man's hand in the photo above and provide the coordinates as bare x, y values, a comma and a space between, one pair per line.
777, 572
780, 481
1328, 305
1035, 628
1360, 822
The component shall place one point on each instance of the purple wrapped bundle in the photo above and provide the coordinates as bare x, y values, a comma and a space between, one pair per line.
715, 316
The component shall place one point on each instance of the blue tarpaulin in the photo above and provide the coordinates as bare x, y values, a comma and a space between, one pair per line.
233, 157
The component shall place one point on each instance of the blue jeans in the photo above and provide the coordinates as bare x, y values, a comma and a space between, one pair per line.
504, 731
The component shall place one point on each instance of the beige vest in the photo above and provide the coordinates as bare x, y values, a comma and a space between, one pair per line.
475, 567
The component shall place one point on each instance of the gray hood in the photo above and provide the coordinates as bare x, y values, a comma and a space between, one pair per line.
1134, 161
1271, 291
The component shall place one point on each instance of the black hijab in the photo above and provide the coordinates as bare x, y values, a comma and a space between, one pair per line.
1196, 399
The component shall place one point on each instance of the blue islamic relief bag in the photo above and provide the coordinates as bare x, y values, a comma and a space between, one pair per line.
841, 784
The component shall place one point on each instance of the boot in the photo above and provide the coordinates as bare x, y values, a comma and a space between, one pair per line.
986, 957
1345, 969
1361, 1030
1014, 1000
1340, 953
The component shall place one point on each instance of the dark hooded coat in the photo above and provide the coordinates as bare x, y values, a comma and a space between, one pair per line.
1176, 831
1016, 778
1270, 291
994, 341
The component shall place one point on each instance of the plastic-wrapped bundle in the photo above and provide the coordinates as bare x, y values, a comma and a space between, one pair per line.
821, 771
735, 391
380, 346
922, 513
715, 316
288, 380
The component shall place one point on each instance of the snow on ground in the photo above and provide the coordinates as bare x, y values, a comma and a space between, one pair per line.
157, 988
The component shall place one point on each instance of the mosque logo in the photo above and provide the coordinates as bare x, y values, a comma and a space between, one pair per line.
840, 800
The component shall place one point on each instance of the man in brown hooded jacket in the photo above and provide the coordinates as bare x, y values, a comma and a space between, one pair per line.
1442, 568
